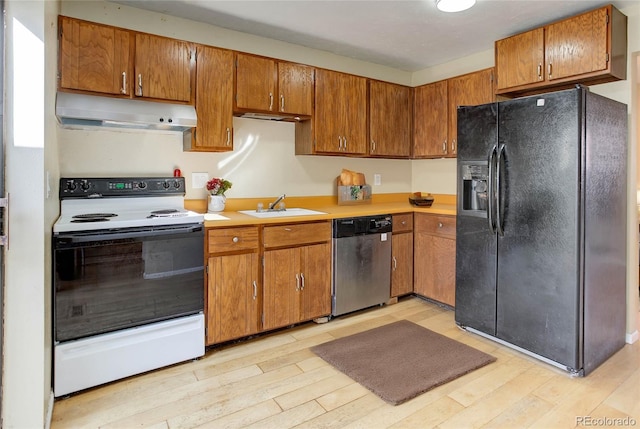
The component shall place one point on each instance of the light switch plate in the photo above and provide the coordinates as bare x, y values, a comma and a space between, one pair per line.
199, 180
377, 179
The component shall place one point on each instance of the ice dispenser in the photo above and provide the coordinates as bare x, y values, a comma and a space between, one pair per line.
473, 195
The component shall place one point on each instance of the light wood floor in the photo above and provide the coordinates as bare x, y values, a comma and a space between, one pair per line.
275, 381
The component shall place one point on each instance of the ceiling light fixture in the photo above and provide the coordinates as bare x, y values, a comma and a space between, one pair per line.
454, 5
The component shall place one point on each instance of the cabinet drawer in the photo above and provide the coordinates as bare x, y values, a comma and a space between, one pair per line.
402, 222
233, 239
296, 234
436, 225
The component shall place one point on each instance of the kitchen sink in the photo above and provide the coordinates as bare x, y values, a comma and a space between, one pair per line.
283, 213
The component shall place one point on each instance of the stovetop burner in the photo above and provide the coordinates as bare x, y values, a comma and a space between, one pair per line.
92, 217
164, 211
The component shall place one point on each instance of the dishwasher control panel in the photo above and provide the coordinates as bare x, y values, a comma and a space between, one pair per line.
362, 225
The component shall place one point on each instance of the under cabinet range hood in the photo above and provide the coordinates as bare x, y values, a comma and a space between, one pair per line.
82, 110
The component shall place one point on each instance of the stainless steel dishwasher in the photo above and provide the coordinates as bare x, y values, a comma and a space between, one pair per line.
361, 263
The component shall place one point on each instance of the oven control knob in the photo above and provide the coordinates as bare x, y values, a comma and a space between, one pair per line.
176, 184
142, 185
165, 185
71, 186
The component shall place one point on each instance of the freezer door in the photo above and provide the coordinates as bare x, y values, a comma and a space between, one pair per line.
538, 281
476, 243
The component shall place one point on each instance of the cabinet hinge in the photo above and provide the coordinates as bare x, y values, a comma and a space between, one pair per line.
607, 57
607, 18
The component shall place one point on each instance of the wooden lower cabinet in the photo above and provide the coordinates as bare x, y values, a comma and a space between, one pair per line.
402, 255
297, 278
434, 266
233, 297
233, 308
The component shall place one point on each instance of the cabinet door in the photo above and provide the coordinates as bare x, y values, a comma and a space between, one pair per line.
214, 97
467, 90
430, 123
577, 45
94, 57
315, 274
256, 79
520, 59
295, 88
354, 99
232, 297
329, 113
281, 287
402, 264
390, 119
163, 68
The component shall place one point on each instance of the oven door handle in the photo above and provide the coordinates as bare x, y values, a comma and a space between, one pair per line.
116, 235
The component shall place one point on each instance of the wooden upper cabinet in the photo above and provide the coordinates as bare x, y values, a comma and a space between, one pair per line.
163, 68
520, 59
589, 48
430, 120
267, 85
577, 45
389, 119
467, 90
295, 88
214, 100
256, 79
94, 57
340, 113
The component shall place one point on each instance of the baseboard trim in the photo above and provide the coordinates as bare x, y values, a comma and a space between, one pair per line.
632, 337
47, 423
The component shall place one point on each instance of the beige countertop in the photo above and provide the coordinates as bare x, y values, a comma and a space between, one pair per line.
381, 204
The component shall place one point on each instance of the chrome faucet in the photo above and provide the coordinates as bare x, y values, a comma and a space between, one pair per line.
272, 206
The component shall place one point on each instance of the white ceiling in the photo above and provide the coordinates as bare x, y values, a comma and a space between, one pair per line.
407, 35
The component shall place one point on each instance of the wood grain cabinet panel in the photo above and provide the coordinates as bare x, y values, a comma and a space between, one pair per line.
297, 278
233, 298
271, 86
436, 111
214, 101
94, 57
389, 120
163, 68
340, 113
434, 257
402, 256
589, 48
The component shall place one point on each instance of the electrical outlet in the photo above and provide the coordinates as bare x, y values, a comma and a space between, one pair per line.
377, 179
199, 180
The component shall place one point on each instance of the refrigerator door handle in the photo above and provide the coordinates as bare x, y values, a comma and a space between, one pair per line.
499, 219
490, 193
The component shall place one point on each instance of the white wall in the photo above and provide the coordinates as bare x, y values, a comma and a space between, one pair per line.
27, 313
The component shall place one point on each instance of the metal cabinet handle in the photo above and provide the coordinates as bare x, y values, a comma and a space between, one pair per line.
123, 90
345, 143
539, 70
439, 224
228, 137
549, 68
453, 145
271, 101
297, 282
339, 143
301, 281
140, 85
255, 290
373, 146
281, 103
444, 146
404, 222
395, 264
235, 239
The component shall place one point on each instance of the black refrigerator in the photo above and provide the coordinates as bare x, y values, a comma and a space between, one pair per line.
541, 225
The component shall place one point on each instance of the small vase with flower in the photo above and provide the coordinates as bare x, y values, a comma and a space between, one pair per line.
217, 199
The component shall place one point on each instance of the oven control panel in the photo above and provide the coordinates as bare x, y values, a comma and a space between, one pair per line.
121, 187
